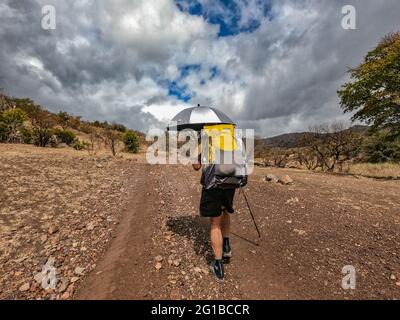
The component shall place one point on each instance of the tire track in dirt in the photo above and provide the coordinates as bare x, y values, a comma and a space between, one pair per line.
120, 273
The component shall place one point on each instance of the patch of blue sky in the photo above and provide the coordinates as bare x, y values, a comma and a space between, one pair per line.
181, 92
186, 69
214, 72
226, 13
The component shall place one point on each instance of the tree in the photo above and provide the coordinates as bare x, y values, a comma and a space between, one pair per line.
111, 139
5, 102
63, 119
42, 127
374, 92
131, 141
11, 122
330, 145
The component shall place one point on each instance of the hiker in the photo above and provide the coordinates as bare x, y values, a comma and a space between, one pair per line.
217, 204
219, 179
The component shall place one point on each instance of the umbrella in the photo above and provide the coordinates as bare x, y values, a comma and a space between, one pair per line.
197, 117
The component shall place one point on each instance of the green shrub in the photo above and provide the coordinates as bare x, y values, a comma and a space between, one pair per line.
80, 145
65, 136
11, 121
131, 141
382, 147
26, 135
41, 136
3, 131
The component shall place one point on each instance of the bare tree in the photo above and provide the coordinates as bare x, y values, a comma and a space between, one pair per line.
332, 145
110, 139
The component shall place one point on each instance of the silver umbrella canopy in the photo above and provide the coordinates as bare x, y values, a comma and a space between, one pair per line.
197, 117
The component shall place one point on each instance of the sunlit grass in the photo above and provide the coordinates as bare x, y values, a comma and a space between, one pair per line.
381, 170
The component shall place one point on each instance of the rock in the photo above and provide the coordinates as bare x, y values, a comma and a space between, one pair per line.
74, 279
91, 225
176, 262
64, 285
53, 229
175, 294
299, 232
197, 269
62, 145
71, 288
34, 287
43, 238
65, 296
286, 180
293, 200
272, 178
38, 277
158, 258
25, 287
99, 165
50, 261
398, 284
79, 271
158, 266
392, 277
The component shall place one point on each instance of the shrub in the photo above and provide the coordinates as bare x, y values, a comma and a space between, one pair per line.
63, 119
26, 135
65, 136
131, 141
3, 131
41, 136
80, 145
11, 121
381, 147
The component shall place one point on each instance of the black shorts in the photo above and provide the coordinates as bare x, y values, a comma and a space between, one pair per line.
213, 201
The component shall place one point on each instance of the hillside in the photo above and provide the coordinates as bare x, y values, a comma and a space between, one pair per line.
295, 140
24, 121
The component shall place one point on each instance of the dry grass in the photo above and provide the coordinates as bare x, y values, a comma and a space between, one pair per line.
382, 170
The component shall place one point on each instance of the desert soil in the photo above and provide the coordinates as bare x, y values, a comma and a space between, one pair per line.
119, 228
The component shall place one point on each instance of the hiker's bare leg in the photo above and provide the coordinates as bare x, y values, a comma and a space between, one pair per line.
216, 236
225, 224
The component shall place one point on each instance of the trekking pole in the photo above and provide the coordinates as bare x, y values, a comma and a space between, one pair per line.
251, 212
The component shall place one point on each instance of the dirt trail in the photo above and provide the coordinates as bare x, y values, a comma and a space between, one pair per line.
310, 231
120, 274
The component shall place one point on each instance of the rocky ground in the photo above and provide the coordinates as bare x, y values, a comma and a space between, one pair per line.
122, 229
58, 209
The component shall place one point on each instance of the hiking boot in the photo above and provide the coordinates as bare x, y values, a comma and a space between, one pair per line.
217, 267
226, 251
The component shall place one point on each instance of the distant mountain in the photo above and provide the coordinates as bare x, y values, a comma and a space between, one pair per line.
294, 140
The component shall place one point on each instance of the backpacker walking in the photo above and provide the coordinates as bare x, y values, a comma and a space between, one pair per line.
219, 180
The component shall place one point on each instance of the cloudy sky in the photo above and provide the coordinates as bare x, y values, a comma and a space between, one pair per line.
271, 65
